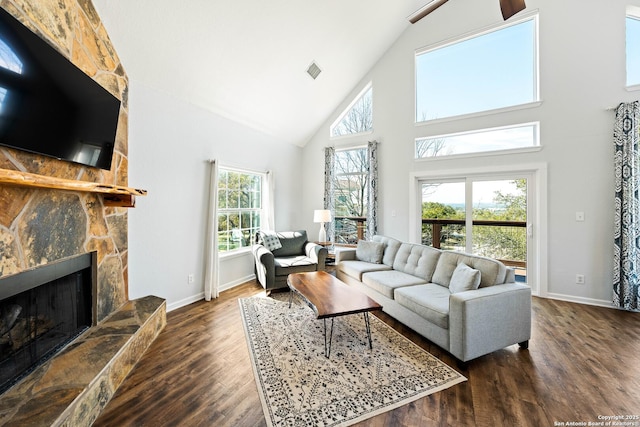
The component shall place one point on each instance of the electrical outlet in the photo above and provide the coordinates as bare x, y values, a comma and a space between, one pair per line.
190, 278
580, 279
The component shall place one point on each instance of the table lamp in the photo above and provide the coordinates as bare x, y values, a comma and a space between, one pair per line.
322, 216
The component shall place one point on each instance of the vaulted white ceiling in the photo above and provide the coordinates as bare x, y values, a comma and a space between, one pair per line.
247, 59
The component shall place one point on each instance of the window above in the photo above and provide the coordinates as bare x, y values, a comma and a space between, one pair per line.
492, 70
485, 140
633, 47
357, 117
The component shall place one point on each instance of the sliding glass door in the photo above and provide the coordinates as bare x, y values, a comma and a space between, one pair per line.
485, 216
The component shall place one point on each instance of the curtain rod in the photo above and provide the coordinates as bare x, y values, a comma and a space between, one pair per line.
616, 107
349, 146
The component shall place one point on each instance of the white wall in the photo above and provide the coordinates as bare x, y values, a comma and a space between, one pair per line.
170, 143
582, 60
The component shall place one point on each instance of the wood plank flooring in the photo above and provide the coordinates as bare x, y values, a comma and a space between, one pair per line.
583, 363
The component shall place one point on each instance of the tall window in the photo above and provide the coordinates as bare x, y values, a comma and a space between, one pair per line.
633, 47
358, 117
239, 208
492, 70
351, 194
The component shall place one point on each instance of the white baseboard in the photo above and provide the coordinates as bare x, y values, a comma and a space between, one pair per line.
200, 296
237, 282
229, 285
581, 300
186, 301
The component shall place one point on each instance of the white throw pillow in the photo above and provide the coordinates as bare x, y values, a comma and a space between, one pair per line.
370, 251
270, 240
464, 278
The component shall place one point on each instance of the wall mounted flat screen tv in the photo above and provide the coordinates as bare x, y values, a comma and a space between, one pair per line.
48, 105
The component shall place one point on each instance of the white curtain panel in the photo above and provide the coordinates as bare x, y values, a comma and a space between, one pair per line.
212, 277
626, 267
268, 208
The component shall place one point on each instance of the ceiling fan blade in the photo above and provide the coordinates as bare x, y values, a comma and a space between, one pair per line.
511, 7
425, 10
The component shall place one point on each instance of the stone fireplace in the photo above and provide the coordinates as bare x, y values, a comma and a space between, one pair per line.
41, 227
42, 310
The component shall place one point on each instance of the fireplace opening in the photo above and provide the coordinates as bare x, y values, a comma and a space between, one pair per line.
41, 311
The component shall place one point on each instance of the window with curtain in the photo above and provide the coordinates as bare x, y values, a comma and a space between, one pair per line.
350, 193
239, 208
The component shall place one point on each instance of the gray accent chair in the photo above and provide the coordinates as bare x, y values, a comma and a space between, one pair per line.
297, 255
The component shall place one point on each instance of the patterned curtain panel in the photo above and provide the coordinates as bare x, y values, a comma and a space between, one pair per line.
329, 187
626, 271
372, 200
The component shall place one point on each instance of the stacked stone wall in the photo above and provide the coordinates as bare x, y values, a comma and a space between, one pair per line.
39, 226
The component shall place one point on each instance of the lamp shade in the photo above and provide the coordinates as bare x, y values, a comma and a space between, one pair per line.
321, 215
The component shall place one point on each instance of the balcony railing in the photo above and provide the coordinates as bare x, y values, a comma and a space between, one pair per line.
349, 229
456, 231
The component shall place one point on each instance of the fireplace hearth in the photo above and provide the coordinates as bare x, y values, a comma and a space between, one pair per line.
41, 311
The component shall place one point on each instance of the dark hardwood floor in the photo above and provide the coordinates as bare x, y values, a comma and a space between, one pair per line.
583, 363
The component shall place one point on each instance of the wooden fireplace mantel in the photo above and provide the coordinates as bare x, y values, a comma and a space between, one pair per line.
112, 195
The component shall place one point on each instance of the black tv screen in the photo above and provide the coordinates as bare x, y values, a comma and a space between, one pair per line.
48, 105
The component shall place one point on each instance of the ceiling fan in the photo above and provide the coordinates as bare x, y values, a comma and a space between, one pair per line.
508, 8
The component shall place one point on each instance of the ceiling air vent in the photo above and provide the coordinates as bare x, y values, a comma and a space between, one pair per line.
313, 70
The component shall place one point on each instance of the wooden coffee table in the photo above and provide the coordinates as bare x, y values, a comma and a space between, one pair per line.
329, 297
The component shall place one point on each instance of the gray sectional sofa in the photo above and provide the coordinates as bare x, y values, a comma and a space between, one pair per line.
468, 305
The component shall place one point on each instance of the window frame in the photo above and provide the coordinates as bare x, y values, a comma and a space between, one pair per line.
632, 13
362, 174
356, 99
226, 210
522, 149
534, 17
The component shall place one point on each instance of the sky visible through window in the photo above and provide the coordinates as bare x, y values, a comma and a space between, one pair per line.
490, 71
483, 140
633, 51
484, 192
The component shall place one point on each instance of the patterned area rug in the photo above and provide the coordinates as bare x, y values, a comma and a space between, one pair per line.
299, 386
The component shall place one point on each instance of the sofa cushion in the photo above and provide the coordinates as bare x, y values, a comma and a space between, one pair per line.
386, 282
492, 271
295, 264
464, 278
417, 260
370, 251
355, 269
430, 301
391, 246
292, 243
